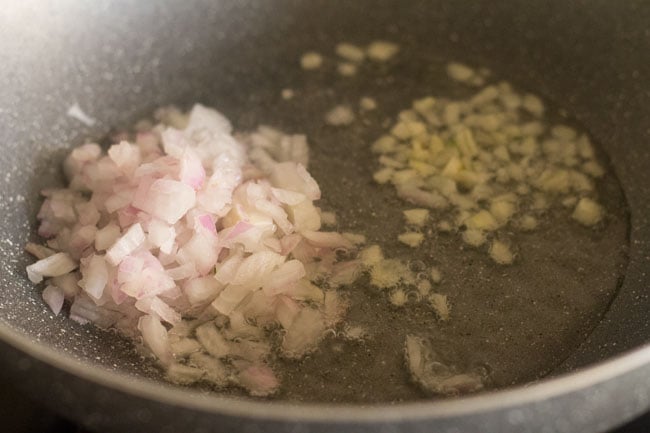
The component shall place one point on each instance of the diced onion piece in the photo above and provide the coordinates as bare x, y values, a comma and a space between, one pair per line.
166, 199
53, 297
51, 266
95, 275
125, 245
155, 337
304, 334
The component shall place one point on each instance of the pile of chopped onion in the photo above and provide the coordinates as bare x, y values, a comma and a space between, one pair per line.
488, 165
201, 245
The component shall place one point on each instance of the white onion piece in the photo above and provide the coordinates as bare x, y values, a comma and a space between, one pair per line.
212, 341
68, 283
291, 198
155, 337
201, 290
161, 235
125, 245
52, 266
255, 269
166, 199
294, 177
38, 251
157, 307
53, 297
84, 310
289, 272
95, 275
304, 334
105, 237
192, 172
327, 239
125, 155
230, 297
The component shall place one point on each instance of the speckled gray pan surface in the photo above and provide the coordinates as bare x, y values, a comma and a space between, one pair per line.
120, 60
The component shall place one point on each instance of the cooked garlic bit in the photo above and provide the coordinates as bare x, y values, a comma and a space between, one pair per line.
382, 51
311, 60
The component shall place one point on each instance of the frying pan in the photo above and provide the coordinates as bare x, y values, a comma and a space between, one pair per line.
119, 60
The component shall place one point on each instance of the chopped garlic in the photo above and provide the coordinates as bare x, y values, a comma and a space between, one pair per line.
440, 305
311, 60
502, 211
384, 175
346, 69
367, 104
416, 217
387, 273
287, 94
350, 52
474, 237
412, 239
341, 115
371, 255
355, 238
398, 297
328, 218
587, 212
528, 223
500, 253
533, 105
482, 220
436, 275
459, 72
382, 51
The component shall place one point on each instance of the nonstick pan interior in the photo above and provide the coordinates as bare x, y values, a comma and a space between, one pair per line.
237, 57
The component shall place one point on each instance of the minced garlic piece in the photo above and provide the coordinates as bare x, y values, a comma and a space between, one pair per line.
436, 275
350, 52
416, 217
387, 273
474, 237
440, 305
501, 253
382, 51
587, 212
346, 69
311, 60
367, 104
528, 223
412, 239
398, 297
371, 255
341, 115
459, 72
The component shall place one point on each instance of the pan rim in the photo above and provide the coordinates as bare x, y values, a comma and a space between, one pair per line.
498, 400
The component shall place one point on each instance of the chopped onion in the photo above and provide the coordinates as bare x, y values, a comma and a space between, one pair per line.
51, 266
53, 297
